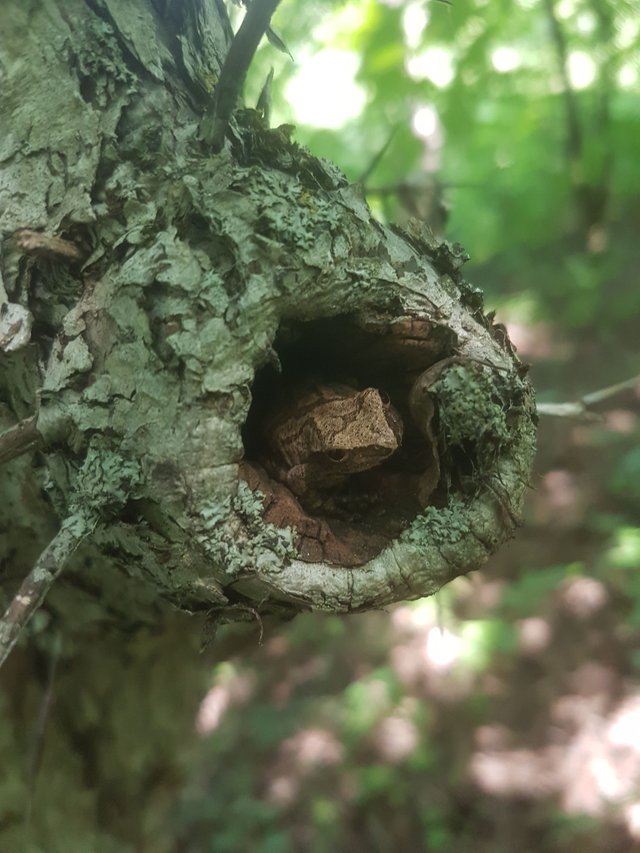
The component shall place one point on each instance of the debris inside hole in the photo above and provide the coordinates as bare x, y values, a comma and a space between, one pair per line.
330, 442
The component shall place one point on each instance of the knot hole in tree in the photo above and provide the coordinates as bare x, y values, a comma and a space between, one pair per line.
333, 438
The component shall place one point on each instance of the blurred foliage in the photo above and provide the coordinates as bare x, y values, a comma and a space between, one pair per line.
488, 717
536, 200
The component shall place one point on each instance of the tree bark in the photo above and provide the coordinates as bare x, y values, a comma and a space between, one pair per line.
167, 285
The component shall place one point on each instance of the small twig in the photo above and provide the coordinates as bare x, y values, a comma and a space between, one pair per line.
422, 185
18, 439
583, 408
235, 67
39, 243
35, 586
574, 133
264, 99
377, 157
37, 748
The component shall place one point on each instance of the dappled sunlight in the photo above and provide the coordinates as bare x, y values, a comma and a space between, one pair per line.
427, 126
539, 341
232, 688
594, 682
602, 761
277, 646
566, 8
586, 22
425, 121
409, 618
628, 76
583, 596
625, 550
397, 736
282, 790
492, 737
591, 760
534, 635
414, 20
323, 92
478, 594
582, 69
408, 663
433, 654
298, 757
622, 421
631, 815
313, 748
516, 772
627, 32
564, 501
505, 59
434, 64
443, 648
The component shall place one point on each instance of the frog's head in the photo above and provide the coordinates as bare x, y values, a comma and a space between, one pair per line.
357, 432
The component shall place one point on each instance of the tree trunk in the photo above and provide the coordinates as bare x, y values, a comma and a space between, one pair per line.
163, 307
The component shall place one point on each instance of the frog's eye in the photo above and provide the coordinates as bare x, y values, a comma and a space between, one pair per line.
336, 455
386, 400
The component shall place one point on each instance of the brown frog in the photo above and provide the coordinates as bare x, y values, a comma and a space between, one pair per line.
329, 432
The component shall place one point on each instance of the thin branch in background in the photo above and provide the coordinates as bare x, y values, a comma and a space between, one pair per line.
607, 58
606, 70
234, 70
584, 407
19, 439
35, 586
362, 180
574, 132
37, 746
591, 196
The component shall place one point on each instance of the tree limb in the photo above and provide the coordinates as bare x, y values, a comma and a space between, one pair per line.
35, 586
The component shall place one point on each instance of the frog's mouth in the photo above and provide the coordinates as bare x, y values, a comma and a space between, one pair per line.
348, 518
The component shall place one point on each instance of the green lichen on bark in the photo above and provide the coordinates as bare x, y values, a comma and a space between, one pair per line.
470, 408
235, 535
447, 525
477, 411
106, 481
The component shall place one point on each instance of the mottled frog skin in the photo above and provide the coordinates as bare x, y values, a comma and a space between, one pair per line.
328, 433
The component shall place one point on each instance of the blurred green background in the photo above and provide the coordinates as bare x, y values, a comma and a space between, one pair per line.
503, 714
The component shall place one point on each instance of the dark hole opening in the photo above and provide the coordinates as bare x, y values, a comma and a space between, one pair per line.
349, 518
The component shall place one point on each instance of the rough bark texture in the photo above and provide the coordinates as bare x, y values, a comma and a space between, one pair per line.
143, 354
